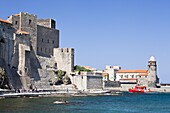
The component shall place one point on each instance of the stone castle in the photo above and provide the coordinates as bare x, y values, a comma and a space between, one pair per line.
29, 51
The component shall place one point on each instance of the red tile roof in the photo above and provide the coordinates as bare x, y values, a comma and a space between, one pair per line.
5, 21
22, 32
132, 71
105, 74
143, 74
17, 14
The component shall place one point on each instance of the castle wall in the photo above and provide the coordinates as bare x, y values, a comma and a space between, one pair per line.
65, 59
50, 23
94, 82
28, 23
21, 44
19, 60
45, 72
47, 39
85, 82
15, 21
80, 81
6, 41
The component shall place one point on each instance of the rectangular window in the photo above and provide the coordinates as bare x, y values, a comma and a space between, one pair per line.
132, 76
121, 76
49, 50
55, 64
42, 40
53, 41
48, 41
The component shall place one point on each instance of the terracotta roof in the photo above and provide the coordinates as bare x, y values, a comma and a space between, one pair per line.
22, 32
17, 14
89, 68
143, 74
105, 74
132, 71
5, 21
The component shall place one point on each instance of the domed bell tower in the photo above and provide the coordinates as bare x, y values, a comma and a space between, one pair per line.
152, 72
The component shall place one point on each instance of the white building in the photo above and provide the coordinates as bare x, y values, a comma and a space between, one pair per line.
142, 77
130, 76
111, 70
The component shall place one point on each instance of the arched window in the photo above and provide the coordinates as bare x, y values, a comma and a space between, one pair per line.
29, 21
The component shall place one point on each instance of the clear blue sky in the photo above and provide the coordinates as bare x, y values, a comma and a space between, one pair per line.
107, 32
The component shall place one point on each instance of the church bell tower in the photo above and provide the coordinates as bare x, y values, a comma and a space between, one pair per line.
152, 72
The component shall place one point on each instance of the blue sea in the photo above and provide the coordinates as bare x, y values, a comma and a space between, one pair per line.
123, 103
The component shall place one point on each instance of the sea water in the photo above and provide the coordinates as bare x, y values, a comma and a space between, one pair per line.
123, 103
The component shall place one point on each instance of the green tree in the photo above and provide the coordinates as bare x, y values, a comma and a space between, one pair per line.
80, 68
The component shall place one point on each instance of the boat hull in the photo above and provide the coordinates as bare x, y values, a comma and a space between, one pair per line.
139, 89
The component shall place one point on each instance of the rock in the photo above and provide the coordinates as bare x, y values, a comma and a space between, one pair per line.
66, 80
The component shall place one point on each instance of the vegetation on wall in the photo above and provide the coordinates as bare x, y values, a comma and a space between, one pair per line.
66, 80
3, 79
60, 78
78, 68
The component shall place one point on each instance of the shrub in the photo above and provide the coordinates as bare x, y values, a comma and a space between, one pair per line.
80, 68
60, 78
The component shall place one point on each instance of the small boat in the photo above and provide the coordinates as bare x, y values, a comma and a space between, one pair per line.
61, 102
139, 89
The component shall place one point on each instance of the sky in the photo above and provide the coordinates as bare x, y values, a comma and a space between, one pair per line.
107, 32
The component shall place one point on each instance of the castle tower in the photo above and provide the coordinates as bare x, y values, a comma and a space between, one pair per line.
26, 22
152, 72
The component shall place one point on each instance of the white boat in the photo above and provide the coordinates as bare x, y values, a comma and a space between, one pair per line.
61, 102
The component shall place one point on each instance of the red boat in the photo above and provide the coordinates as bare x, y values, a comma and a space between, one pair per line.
139, 89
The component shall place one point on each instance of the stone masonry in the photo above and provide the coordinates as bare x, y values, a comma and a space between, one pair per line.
29, 51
